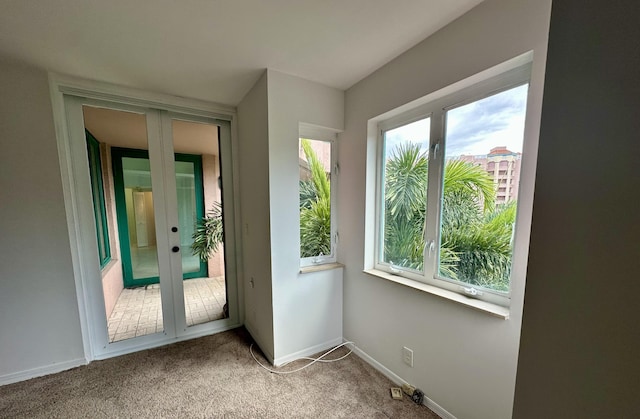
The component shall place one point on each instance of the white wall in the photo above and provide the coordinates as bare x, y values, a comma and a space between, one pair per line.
288, 313
39, 322
580, 335
253, 137
307, 308
464, 360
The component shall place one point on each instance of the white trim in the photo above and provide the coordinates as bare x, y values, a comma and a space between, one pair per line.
312, 133
237, 220
435, 407
71, 211
316, 132
41, 371
515, 72
495, 310
307, 351
79, 221
322, 267
84, 227
93, 89
156, 343
63, 366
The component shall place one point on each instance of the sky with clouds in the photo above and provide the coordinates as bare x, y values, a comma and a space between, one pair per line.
474, 128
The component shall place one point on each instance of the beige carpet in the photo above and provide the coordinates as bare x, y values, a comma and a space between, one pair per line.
209, 377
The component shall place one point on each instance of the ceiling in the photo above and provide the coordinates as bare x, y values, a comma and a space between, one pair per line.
129, 130
215, 50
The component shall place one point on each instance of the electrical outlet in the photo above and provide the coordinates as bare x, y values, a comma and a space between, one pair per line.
407, 356
408, 389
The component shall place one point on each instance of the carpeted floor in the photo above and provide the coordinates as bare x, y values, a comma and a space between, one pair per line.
209, 377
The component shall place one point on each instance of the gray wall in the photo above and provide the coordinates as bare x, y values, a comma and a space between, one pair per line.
580, 335
464, 360
307, 308
253, 136
287, 313
39, 323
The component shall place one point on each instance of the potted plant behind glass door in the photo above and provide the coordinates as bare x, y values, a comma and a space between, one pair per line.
208, 236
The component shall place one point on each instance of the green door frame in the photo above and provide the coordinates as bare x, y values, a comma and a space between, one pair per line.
97, 194
117, 154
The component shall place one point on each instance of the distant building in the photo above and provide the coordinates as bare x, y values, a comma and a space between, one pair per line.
504, 168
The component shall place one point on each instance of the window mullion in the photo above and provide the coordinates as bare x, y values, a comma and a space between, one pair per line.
434, 193
380, 210
333, 182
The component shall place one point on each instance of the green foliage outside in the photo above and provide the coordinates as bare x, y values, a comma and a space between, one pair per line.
208, 234
315, 207
475, 234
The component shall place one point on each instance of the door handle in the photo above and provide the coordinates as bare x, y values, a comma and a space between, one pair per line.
175, 249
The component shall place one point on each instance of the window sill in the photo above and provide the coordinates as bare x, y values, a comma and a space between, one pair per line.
489, 308
322, 267
106, 268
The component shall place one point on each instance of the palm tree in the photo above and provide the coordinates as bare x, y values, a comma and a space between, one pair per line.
404, 212
475, 242
315, 208
208, 234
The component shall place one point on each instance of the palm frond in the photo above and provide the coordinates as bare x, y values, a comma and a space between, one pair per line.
307, 193
315, 229
318, 173
467, 178
315, 207
406, 181
208, 234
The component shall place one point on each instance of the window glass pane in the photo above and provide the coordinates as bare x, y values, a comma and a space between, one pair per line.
406, 158
188, 213
198, 164
140, 216
132, 295
479, 199
314, 159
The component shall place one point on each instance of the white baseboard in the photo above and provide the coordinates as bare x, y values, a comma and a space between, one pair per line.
435, 407
40, 371
307, 351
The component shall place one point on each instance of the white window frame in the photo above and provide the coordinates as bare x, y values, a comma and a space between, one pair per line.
436, 111
321, 134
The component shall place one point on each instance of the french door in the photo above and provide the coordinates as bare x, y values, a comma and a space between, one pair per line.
163, 174
134, 208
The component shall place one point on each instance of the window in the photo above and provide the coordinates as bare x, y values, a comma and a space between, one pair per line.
97, 193
442, 219
317, 202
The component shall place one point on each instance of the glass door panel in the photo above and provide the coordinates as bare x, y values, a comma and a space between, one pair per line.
190, 211
134, 205
122, 191
199, 196
138, 196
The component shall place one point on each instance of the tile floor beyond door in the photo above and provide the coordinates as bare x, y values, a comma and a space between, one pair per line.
138, 311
